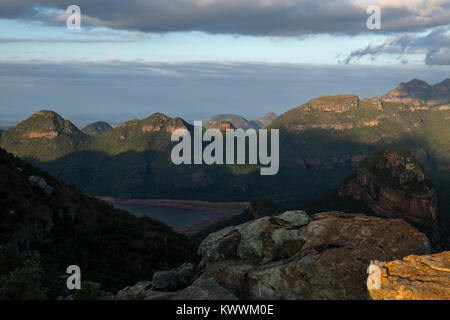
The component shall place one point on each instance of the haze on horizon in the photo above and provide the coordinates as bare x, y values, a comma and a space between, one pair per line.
196, 59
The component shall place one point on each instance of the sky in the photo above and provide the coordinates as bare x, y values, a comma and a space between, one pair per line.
199, 58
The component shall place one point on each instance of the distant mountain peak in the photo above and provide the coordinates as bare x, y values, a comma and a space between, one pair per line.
237, 121
416, 82
45, 113
268, 118
97, 128
45, 135
158, 116
444, 82
135, 130
270, 115
419, 92
340, 112
45, 124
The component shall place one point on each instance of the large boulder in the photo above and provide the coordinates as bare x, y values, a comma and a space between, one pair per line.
325, 257
208, 289
176, 278
292, 219
140, 289
259, 241
411, 278
143, 291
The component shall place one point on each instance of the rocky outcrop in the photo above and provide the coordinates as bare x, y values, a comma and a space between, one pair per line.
293, 256
48, 134
412, 278
415, 92
393, 184
176, 278
292, 219
341, 112
224, 125
132, 292
42, 184
237, 121
143, 291
172, 129
342, 103
208, 289
419, 92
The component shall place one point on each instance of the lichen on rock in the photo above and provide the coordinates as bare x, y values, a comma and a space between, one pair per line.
411, 278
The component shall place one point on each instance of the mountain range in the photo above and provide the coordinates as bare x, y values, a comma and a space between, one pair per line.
420, 93
339, 154
321, 141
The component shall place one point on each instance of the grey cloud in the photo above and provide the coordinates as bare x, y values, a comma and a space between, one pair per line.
434, 45
64, 40
439, 56
92, 36
246, 17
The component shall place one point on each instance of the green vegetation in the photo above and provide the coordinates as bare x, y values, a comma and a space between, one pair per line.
403, 175
111, 246
87, 292
320, 142
25, 282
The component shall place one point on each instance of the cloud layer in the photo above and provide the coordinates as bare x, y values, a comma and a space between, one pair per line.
435, 45
245, 17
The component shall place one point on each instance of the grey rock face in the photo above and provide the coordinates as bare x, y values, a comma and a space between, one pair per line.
132, 292
164, 280
292, 219
297, 257
185, 274
220, 245
177, 278
41, 183
208, 289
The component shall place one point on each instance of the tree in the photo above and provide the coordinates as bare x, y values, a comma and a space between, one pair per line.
25, 282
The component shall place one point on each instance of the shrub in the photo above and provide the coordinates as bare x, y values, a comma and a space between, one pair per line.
87, 292
25, 282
